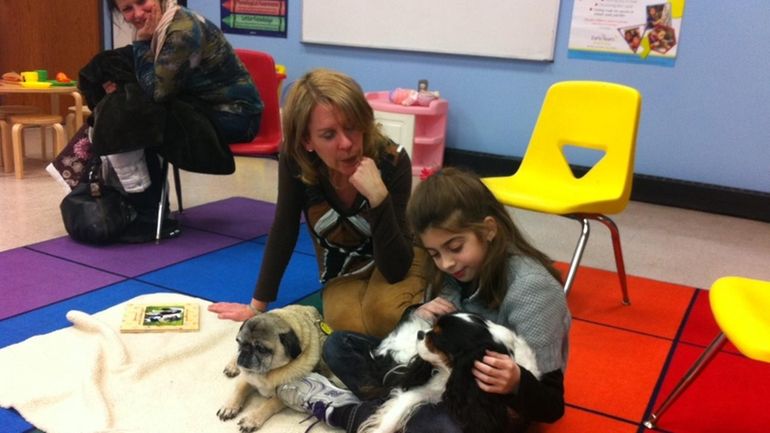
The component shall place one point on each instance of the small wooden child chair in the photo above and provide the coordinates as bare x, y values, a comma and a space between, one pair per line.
5, 131
21, 121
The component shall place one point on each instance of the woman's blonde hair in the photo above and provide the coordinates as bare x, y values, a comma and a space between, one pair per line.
456, 201
338, 91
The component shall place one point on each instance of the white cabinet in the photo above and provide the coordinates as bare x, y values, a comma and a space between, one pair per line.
399, 127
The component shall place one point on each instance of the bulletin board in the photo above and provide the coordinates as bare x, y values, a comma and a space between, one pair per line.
515, 29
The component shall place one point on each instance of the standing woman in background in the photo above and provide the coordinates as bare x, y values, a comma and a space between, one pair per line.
352, 184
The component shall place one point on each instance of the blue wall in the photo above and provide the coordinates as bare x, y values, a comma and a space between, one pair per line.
706, 120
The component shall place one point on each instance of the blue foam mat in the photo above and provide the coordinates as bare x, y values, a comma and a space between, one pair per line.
304, 242
230, 275
12, 422
52, 317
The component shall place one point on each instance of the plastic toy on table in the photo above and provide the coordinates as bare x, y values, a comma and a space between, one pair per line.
408, 97
36, 84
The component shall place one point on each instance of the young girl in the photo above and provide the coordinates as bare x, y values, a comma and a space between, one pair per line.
481, 264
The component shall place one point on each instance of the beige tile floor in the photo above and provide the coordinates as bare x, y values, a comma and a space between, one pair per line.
663, 243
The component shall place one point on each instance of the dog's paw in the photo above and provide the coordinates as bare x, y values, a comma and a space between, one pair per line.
231, 369
228, 412
249, 424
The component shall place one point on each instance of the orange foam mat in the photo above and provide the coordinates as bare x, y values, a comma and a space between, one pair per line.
580, 421
657, 308
611, 371
701, 328
730, 395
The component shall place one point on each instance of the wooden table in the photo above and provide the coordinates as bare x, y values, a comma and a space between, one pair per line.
54, 92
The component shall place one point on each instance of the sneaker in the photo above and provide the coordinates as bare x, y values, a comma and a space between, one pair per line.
315, 395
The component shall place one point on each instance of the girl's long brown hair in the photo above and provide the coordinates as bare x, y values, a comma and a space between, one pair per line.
456, 200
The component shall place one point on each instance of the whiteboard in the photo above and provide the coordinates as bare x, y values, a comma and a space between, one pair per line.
516, 29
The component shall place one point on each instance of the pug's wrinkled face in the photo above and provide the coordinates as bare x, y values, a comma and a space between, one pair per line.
266, 342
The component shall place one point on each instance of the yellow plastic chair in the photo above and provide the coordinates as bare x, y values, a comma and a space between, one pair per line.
591, 115
741, 308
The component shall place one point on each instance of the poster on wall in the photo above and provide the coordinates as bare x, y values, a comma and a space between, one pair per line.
255, 17
634, 31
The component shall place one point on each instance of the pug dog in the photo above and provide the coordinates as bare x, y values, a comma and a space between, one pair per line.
274, 348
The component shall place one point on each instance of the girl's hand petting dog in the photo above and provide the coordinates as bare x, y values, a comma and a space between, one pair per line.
497, 373
434, 309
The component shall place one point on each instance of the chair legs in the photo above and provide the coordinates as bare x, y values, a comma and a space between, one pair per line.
580, 247
578, 254
21, 122
688, 378
178, 188
619, 264
164, 197
7, 147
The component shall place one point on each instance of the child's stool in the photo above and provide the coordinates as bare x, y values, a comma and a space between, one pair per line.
69, 121
5, 131
21, 121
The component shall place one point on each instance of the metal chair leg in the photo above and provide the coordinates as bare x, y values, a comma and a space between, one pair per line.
687, 379
162, 204
618, 255
178, 188
579, 248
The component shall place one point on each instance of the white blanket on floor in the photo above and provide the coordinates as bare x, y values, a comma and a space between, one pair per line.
90, 378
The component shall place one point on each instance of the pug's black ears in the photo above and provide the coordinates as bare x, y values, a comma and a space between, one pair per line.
290, 343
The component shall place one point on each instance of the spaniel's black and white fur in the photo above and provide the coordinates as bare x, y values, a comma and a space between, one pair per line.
442, 371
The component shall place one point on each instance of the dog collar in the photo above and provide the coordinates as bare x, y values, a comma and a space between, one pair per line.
325, 328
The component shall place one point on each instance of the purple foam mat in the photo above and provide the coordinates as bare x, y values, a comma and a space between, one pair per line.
30, 280
131, 260
238, 217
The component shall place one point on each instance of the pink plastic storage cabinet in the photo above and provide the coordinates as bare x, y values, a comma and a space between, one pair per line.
429, 138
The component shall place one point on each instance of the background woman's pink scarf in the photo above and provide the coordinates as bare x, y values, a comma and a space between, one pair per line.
159, 37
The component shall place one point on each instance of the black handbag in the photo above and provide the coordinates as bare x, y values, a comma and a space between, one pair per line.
94, 212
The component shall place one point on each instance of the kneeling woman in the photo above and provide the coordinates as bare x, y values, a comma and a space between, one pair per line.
352, 185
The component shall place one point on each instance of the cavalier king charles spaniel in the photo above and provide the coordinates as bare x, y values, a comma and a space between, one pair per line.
442, 371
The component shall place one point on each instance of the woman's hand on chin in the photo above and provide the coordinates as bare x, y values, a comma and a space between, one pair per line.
367, 180
150, 24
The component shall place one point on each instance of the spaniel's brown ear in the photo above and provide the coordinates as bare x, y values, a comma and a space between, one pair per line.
461, 379
474, 409
416, 373
462, 392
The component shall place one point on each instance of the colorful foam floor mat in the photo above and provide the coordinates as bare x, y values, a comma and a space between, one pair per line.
623, 359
